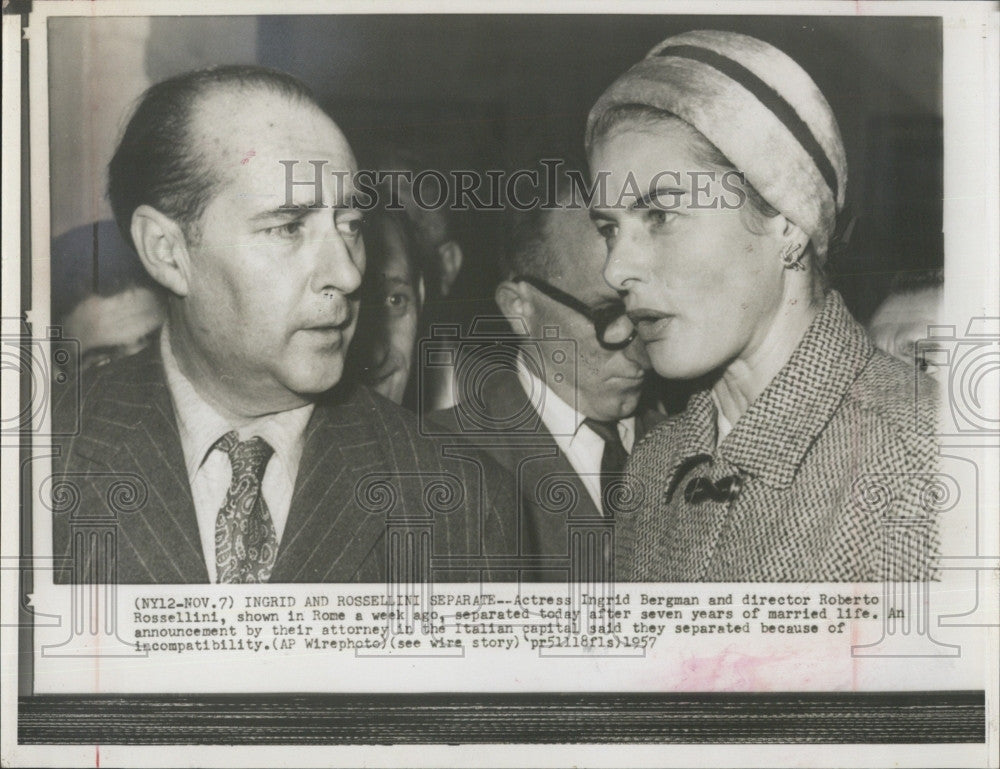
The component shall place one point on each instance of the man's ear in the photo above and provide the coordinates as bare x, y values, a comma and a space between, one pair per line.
514, 302
162, 248
450, 259
421, 290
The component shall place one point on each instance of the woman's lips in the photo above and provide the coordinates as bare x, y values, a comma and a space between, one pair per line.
651, 324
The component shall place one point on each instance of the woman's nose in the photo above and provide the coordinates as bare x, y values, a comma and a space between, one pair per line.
622, 263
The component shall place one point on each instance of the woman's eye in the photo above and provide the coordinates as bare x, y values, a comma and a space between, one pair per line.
397, 301
608, 230
657, 216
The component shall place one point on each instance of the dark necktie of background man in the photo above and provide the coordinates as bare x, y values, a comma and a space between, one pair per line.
612, 460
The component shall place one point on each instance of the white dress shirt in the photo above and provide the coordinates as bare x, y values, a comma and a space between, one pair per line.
722, 425
582, 446
209, 470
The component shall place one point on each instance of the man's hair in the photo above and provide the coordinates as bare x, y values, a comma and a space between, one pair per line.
429, 229
915, 281
93, 260
376, 240
156, 162
525, 250
526, 247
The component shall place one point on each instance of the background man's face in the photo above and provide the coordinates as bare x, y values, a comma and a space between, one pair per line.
111, 327
271, 306
608, 382
387, 332
902, 320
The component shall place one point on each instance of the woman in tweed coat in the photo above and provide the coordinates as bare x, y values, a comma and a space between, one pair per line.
802, 456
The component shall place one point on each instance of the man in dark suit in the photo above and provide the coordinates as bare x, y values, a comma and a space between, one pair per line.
563, 414
230, 451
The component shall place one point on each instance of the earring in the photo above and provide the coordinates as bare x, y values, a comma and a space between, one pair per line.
791, 256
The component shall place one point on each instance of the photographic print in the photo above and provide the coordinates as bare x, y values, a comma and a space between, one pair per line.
445, 385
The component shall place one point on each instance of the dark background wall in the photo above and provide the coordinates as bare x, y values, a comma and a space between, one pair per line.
492, 91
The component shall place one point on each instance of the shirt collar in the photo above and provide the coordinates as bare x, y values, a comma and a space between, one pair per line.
771, 439
201, 426
558, 416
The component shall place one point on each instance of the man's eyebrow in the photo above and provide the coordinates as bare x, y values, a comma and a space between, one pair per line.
282, 212
350, 201
644, 201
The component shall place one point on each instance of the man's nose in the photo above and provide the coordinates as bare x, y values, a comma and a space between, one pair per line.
339, 265
636, 352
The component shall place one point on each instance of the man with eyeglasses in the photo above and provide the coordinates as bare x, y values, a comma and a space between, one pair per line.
551, 280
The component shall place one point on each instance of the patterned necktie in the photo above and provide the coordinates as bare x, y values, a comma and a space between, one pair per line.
245, 541
612, 460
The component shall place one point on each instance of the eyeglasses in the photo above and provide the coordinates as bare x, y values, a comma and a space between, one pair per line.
612, 326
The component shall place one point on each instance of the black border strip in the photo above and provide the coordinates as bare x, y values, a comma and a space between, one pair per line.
386, 719
767, 96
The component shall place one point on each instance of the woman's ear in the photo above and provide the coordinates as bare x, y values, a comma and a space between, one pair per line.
789, 232
162, 248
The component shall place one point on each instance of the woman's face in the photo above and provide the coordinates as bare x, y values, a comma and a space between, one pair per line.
701, 277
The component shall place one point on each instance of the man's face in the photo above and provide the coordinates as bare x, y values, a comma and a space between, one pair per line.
904, 319
608, 382
387, 332
111, 327
271, 302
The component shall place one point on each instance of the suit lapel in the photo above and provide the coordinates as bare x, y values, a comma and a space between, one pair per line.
540, 467
133, 430
328, 536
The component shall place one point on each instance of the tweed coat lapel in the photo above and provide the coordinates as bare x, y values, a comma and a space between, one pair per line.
800, 401
687, 440
131, 428
329, 537
672, 540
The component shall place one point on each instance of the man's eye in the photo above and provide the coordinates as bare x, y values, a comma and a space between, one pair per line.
397, 302
350, 225
287, 230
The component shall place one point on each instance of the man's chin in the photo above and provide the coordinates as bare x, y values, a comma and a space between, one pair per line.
311, 380
612, 411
